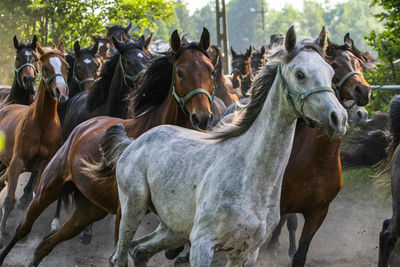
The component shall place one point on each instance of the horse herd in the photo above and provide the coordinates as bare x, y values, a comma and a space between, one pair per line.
222, 179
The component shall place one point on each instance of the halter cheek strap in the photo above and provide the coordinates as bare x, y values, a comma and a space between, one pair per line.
133, 78
337, 87
182, 100
80, 82
301, 98
18, 70
48, 80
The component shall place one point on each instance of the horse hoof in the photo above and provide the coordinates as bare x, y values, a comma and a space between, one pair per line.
182, 260
85, 238
23, 202
173, 253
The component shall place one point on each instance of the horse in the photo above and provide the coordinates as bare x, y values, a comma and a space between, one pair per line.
121, 73
258, 59
227, 202
309, 188
357, 116
81, 76
103, 52
33, 133
23, 88
223, 85
170, 94
390, 228
119, 32
241, 74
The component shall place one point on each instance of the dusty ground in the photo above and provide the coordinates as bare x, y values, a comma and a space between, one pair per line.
348, 237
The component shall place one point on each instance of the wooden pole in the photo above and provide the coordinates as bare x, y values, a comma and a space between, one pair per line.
222, 32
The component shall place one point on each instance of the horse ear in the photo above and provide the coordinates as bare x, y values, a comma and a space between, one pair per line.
148, 41
53, 46
290, 39
61, 47
348, 42
205, 39
16, 42
95, 48
249, 52
234, 54
77, 48
128, 27
39, 49
175, 42
322, 39
118, 44
141, 41
33, 44
262, 50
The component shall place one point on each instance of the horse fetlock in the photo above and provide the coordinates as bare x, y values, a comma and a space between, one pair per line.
86, 237
55, 225
139, 256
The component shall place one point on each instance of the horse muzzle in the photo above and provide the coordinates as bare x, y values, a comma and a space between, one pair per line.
200, 120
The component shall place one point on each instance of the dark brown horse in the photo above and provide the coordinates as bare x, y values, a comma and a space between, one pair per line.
33, 133
313, 177
391, 227
176, 90
258, 59
242, 75
223, 85
23, 88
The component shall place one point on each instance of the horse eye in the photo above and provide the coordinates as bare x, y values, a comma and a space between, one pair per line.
180, 74
300, 75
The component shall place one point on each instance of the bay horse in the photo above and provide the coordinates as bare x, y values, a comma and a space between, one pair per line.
119, 75
242, 75
258, 59
33, 133
312, 177
227, 202
223, 85
23, 89
81, 76
391, 227
103, 53
170, 94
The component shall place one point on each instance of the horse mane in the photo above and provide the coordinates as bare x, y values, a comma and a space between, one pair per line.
50, 51
260, 89
70, 58
157, 82
218, 65
100, 89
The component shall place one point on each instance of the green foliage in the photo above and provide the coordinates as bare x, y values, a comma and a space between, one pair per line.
70, 20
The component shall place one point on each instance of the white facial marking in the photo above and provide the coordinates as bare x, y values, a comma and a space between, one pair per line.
56, 64
101, 44
140, 55
87, 61
28, 53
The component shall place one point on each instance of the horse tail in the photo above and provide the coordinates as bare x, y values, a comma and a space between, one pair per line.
112, 144
394, 125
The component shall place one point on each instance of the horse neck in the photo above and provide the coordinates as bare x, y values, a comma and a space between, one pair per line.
246, 83
268, 143
19, 95
116, 103
44, 106
73, 88
167, 113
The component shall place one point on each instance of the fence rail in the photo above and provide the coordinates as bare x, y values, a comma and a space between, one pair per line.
385, 87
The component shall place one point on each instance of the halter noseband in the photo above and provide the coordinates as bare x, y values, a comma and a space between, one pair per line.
337, 87
242, 76
182, 100
301, 98
80, 82
126, 76
18, 70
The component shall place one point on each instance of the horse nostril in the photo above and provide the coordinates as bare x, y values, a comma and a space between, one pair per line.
334, 119
195, 119
359, 114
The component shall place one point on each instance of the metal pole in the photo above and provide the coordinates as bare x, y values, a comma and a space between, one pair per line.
222, 32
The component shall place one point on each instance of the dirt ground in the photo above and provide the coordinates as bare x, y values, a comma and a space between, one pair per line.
348, 237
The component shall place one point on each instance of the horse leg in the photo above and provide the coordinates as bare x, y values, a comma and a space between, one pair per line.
292, 227
26, 198
273, 244
55, 223
201, 251
312, 223
249, 261
85, 213
51, 186
3, 179
14, 170
141, 250
133, 209
386, 243
86, 235
117, 223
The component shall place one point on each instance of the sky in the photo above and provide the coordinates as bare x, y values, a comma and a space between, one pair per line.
273, 4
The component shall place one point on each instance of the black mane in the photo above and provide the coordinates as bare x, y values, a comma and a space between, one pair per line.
157, 81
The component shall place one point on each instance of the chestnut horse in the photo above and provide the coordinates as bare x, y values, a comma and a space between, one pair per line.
313, 177
176, 90
33, 133
242, 75
23, 88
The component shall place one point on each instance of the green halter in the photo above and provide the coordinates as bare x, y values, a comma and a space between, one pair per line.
338, 85
182, 100
48, 80
80, 82
301, 98
18, 70
126, 76
242, 76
